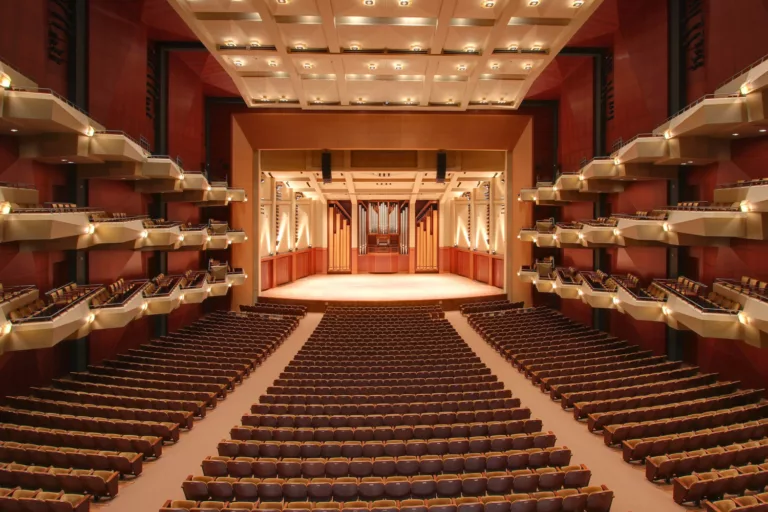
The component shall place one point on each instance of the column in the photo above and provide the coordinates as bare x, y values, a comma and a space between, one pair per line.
412, 237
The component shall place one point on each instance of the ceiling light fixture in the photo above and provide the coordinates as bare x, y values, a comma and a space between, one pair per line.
282, 2
372, 66
495, 66
513, 47
369, 3
354, 47
416, 48
405, 3
762, 130
307, 65
527, 66
273, 64
735, 134
489, 4
255, 43
461, 67
533, 3
536, 47
230, 43
470, 48
398, 66
14, 130
578, 3
239, 63
300, 46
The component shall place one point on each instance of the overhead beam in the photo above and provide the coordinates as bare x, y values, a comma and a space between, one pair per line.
498, 30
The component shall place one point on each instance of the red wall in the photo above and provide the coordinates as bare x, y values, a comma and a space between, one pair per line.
24, 43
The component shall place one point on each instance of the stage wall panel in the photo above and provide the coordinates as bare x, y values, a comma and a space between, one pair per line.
282, 269
498, 272
482, 268
463, 263
266, 275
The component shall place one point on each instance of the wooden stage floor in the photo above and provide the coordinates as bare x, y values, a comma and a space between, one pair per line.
348, 289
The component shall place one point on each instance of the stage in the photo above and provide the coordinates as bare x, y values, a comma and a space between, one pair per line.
364, 289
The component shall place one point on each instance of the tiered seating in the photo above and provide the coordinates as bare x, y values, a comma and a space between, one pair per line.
116, 293
162, 285
356, 421
276, 309
749, 286
17, 499
690, 291
55, 302
686, 426
80, 434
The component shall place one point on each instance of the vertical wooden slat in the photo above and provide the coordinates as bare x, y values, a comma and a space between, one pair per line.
434, 239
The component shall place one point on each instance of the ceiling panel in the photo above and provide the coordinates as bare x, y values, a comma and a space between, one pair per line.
388, 30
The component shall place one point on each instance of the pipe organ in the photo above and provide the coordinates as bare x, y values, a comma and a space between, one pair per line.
383, 227
427, 240
339, 239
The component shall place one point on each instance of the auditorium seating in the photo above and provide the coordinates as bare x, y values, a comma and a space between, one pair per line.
705, 436
81, 433
13, 499
485, 307
356, 421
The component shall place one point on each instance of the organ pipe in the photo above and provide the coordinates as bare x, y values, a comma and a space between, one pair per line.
427, 241
339, 240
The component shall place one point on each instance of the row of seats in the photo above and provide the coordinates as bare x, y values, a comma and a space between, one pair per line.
344, 488
380, 465
356, 417
17, 499
488, 306
565, 500
695, 487
275, 309
71, 481
676, 420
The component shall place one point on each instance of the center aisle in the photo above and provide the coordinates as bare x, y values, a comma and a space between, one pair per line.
632, 491
163, 477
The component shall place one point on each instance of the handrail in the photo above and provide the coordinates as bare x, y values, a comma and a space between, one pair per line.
45, 90
26, 186
119, 219
633, 139
745, 70
745, 183
710, 96
620, 282
124, 134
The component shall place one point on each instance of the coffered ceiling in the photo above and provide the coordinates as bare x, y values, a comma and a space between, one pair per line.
384, 54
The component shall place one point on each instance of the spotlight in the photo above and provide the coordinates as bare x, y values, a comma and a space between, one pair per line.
616, 232
666, 227
665, 310
743, 318
577, 3
581, 293
5, 81
668, 134
90, 131
7, 328
144, 234
616, 301
90, 229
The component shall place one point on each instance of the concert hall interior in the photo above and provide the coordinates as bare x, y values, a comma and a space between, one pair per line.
383, 255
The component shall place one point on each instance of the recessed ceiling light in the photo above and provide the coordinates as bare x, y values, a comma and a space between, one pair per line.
283, 98
264, 98
578, 3
536, 47
354, 46
317, 100
416, 48
461, 67
450, 100
300, 46
283, 2
14, 130
735, 134
489, 3
372, 66
398, 66
534, 3
483, 100
239, 63
405, 3
513, 47
495, 66
527, 66
470, 48
763, 130
307, 65
229, 43
369, 2
255, 44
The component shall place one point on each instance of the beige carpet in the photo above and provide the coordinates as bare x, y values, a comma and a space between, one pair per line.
162, 479
633, 493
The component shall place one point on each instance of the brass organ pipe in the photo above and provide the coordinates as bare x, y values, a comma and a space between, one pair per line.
434, 239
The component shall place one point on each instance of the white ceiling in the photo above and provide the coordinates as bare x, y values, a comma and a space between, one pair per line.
426, 55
